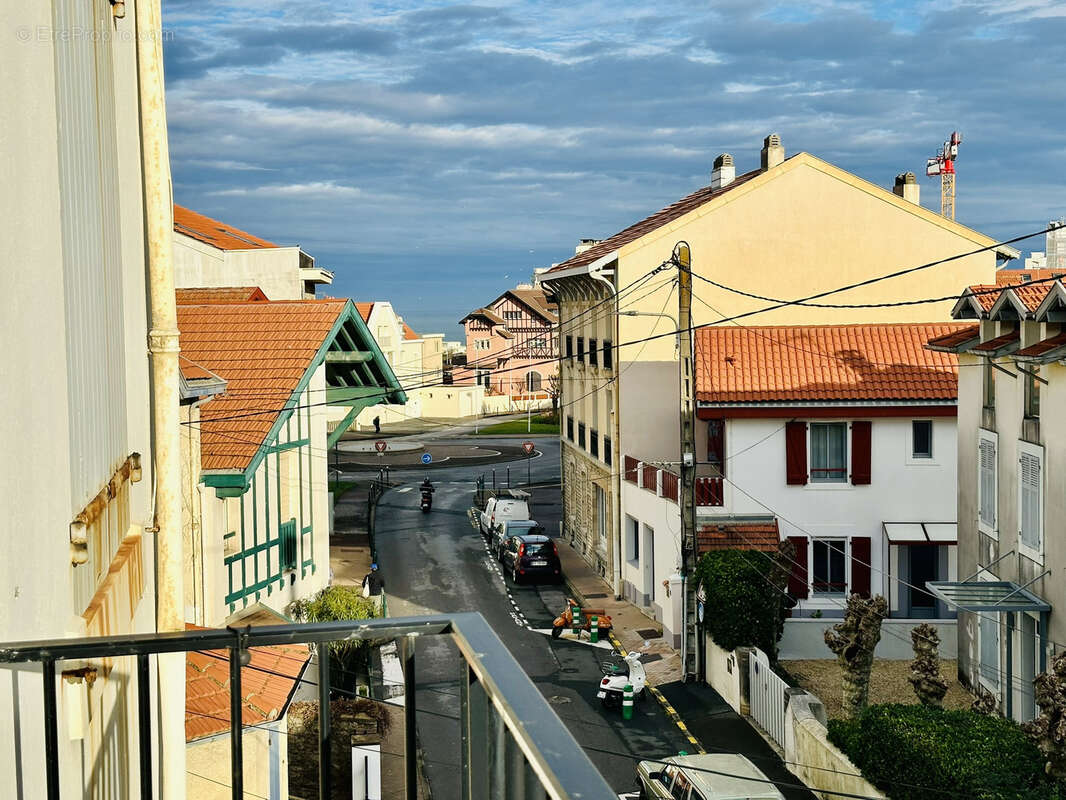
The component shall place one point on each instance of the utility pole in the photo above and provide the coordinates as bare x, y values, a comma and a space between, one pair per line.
682, 257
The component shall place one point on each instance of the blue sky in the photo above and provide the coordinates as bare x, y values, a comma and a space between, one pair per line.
433, 154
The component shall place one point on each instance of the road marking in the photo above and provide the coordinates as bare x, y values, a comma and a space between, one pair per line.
404, 490
669, 709
567, 636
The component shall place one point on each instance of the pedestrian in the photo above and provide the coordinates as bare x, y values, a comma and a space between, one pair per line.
373, 583
377, 424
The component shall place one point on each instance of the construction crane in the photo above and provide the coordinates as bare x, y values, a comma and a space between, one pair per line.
943, 164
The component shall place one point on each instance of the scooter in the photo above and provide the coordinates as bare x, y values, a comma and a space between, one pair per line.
427, 501
617, 675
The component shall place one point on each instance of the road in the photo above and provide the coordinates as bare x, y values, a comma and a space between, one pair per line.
439, 563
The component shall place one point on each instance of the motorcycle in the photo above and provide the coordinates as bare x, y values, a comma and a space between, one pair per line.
427, 501
565, 621
617, 675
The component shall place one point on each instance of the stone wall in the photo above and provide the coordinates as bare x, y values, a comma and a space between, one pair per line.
354, 722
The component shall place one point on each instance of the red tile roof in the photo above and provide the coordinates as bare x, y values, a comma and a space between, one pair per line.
225, 294
1042, 347
262, 350
487, 313
950, 341
364, 310
1009, 277
408, 333
649, 224
1031, 295
992, 345
986, 295
738, 536
786, 364
267, 684
215, 233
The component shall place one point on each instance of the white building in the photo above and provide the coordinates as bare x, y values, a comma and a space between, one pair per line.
209, 253
839, 439
1012, 486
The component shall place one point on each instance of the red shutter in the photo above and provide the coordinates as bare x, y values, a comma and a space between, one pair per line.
797, 581
860, 452
860, 564
796, 453
716, 444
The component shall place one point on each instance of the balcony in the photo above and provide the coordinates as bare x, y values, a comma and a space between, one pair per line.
709, 491
511, 743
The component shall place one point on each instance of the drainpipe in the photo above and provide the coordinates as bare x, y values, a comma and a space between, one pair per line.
163, 347
615, 477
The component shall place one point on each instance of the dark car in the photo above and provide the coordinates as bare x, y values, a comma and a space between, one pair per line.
531, 556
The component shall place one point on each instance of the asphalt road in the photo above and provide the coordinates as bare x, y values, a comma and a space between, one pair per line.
438, 562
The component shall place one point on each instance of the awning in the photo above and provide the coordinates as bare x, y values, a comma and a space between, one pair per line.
986, 596
921, 532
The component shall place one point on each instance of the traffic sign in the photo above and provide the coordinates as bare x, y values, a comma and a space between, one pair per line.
528, 447
381, 445
426, 458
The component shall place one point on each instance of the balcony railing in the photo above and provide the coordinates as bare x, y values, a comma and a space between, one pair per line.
709, 491
512, 744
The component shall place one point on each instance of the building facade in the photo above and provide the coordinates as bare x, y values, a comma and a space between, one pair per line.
1012, 484
796, 225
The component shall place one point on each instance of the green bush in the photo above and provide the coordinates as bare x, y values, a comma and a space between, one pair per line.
907, 749
743, 608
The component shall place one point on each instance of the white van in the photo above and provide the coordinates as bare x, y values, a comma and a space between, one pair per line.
499, 509
714, 776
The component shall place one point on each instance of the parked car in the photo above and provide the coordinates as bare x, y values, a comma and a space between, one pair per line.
502, 531
531, 556
714, 776
499, 509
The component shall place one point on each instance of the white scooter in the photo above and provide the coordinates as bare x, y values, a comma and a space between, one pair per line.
617, 675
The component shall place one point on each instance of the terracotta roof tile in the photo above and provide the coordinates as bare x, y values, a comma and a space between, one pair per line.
215, 233
408, 332
649, 224
1044, 346
985, 294
948, 341
783, 364
267, 683
738, 536
1009, 277
487, 313
225, 294
999, 342
262, 350
364, 310
1031, 295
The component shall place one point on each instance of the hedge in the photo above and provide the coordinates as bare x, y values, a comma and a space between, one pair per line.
907, 749
743, 608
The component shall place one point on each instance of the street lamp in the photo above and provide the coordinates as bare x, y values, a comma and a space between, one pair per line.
677, 339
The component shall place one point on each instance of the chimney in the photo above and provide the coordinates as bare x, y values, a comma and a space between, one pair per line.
907, 187
772, 152
724, 172
585, 244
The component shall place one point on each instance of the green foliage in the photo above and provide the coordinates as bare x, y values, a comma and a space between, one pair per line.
339, 488
744, 605
903, 749
543, 424
336, 604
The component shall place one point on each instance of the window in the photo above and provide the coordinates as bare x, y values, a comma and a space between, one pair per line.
569, 346
633, 538
988, 650
608, 355
601, 516
581, 434
1032, 392
716, 446
987, 478
607, 450
533, 380
594, 443
570, 428
922, 438
287, 534
1031, 500
829, 568
484, 377
829, 452
512, 315
593, 355
482, 344
988, 389
581, 349
537, 344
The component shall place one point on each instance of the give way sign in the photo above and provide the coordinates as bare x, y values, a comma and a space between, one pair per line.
381, 445
528, 447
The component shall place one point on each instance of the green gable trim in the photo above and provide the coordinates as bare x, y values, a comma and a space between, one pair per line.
345, 395
347, 421
291, 445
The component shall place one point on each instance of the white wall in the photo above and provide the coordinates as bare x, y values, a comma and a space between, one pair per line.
804, 639
902, 489
275, 270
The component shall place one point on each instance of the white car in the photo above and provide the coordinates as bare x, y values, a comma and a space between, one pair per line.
713, 776
499, 509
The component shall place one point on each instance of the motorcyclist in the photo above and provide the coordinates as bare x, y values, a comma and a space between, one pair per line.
427, 487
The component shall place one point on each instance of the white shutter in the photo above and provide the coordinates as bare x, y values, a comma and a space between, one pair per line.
1030, 500
986, 482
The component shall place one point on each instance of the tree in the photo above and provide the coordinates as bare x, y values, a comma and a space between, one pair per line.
555, 391
854, 640
925, 669
337, 604
1048, 730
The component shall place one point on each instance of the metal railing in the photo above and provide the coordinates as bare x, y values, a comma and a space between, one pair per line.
512, 743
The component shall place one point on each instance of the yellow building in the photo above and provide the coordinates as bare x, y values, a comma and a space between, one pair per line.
788, 229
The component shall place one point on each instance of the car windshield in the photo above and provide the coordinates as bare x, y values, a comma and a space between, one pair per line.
526, 528
542, 548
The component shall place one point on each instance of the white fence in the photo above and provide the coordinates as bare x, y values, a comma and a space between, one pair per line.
767, 696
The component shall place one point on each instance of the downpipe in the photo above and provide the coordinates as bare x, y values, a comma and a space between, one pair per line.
163, 350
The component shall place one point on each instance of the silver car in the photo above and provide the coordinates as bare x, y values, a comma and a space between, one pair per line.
502, 531
714, 776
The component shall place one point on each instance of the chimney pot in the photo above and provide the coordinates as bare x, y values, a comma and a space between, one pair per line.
773, 153
724, 172
907, 187
585, 244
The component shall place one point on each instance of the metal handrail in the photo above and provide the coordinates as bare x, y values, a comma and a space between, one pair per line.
495, 689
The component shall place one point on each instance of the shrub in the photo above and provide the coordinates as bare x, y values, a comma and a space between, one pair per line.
907, 749
744, 606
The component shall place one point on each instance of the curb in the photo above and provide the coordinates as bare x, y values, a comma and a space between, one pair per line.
671, 712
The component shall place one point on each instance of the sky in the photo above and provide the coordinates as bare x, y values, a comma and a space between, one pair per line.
432, 154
